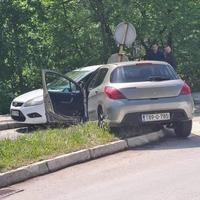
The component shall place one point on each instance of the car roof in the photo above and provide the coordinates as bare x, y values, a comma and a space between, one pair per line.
86, 71
114, 65
141, 62
89, 68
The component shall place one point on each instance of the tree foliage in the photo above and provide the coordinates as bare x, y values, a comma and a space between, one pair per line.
67, 34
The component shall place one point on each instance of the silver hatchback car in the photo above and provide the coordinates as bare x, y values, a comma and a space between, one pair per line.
131, 94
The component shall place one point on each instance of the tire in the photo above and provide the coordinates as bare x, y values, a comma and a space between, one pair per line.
183, 128
101, 121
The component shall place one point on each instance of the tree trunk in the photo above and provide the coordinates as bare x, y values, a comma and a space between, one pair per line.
107, 36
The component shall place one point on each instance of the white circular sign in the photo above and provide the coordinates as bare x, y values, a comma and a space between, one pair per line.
114, 58
125, 33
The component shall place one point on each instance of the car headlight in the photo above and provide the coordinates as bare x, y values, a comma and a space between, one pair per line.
34, 102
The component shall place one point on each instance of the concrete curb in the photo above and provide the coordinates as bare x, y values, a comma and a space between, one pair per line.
144, 139
107, 149
60, 162
10, 125
63, 161
23, 173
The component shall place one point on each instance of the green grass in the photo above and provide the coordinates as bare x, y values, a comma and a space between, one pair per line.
44, 144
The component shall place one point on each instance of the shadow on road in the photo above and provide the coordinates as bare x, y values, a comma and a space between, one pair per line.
127, 131
197, 110
172, 142
30, 129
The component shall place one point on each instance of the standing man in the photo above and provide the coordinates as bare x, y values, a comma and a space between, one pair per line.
169, 57
155, 53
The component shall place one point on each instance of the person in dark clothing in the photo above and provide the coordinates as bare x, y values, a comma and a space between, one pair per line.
155, 54
169, 57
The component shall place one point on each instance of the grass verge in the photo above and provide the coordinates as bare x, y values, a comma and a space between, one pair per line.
44, 144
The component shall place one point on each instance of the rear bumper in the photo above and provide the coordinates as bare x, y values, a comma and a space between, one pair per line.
135, 119
129, 111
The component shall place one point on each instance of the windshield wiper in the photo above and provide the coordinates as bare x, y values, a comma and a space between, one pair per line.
157, 78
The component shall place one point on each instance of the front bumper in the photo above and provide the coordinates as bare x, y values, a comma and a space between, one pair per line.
129, 111
29, 115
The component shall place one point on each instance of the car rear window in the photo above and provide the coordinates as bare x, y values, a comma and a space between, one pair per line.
143, 72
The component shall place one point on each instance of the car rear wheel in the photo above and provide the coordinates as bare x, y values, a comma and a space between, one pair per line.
101, 121
183, 129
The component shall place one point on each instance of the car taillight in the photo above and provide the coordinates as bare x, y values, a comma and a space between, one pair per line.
185, 89
113, 93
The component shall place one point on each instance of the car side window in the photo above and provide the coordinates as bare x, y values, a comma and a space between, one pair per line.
98, 78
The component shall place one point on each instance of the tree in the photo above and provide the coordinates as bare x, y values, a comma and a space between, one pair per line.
67, 34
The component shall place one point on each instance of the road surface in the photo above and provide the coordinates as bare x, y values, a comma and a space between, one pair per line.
168, 170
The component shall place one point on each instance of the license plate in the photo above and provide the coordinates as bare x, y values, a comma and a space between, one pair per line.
15, 113
155, 117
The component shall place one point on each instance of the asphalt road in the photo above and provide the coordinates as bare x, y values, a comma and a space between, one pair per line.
168, 170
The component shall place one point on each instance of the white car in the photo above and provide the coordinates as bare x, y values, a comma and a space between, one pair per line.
29, 108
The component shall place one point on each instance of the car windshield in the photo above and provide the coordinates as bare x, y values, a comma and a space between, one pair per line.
143, 72
77, 75
61, 84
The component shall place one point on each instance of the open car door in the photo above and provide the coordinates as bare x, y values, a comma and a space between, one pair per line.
63, 98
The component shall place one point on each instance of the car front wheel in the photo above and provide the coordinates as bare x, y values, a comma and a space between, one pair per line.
183, 128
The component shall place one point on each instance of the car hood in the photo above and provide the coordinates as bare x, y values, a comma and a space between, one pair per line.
29, 95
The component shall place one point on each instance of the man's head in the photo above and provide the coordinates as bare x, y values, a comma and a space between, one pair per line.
154, 47
167, 49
